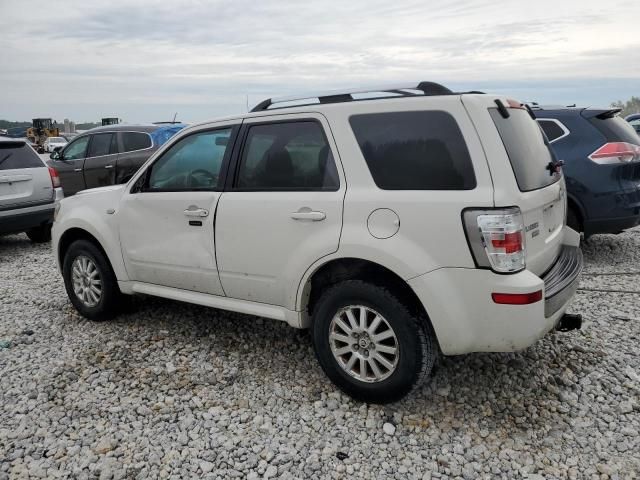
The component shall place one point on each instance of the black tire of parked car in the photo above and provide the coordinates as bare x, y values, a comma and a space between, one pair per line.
573, 221
40, 234
111, 300
417, 344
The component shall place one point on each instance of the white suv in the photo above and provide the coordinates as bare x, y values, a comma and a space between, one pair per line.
397, 223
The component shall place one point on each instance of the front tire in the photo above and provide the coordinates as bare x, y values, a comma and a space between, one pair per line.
369, 343
90, 282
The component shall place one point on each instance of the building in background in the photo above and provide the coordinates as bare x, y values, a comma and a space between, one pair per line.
66, 126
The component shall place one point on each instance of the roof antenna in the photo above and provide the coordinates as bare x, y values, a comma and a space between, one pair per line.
247, 101
174, 117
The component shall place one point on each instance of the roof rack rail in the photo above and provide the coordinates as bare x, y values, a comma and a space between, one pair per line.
425, 88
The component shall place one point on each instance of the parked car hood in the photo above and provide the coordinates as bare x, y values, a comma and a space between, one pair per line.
109, 188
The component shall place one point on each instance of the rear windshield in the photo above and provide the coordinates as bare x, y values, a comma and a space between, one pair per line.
527, 148
615, 129
18, 155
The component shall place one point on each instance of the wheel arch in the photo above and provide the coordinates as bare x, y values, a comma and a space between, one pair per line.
574, 204
76, 233
351, 268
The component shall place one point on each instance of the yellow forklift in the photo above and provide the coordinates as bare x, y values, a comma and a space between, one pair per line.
42, 129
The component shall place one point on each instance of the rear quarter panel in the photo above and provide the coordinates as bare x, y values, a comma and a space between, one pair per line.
430, 234
543, 248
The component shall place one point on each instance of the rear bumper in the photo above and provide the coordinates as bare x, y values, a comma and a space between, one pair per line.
22, 219
21, 222
561, 281
465, 318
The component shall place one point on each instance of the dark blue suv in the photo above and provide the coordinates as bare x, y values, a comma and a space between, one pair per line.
601, 154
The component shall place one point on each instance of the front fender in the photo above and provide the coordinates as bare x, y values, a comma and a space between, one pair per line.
102, 226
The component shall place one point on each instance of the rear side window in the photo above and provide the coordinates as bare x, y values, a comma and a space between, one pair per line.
287, 156
552, 129
414, 150
135, 141
15, 155
102, 144
528, 150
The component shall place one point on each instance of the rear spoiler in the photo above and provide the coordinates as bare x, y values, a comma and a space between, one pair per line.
600, 113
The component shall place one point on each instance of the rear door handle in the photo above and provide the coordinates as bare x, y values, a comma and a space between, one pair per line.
108, 166
306, 213
194, 211
77, 169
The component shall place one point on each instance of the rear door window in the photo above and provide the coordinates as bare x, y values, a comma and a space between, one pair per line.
135, 141
422, 150
14, 155
527, 148
291, 156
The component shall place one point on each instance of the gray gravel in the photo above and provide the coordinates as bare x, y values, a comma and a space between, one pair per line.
177, 391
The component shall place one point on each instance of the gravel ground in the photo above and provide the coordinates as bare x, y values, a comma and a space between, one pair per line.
178, 391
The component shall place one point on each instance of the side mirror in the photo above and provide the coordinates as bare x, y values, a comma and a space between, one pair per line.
55, 155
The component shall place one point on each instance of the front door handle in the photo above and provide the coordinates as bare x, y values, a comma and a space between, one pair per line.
194, 211
306, 213
77, 169
108, 166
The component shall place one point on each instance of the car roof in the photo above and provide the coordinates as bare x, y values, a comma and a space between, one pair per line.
12, 140
633, 116
124, 127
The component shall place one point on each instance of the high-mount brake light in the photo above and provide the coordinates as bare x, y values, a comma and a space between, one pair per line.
496, 238
515, 104
616, 152
55, 178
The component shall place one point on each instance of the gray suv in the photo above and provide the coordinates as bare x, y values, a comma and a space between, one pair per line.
29, 191
108, 155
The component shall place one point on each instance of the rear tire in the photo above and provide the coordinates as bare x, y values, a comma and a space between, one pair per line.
573, 220
90, 282
40, 234
378, 363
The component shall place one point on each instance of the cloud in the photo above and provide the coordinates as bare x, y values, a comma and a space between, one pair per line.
205, 57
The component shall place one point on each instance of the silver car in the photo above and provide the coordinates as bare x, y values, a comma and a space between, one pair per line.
29, 191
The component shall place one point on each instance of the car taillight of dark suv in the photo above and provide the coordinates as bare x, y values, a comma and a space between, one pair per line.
601, 154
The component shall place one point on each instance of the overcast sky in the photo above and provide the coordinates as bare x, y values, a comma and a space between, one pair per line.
145, 60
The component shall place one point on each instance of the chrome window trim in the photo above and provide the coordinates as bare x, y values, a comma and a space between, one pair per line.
565, 130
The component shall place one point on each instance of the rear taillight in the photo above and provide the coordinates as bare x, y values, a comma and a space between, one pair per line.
55, 178
496, 238
616, 152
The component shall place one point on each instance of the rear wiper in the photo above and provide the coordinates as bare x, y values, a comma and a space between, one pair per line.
7, 156
554, 166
